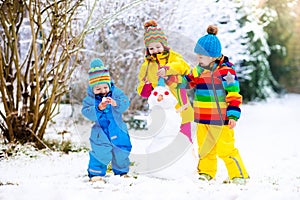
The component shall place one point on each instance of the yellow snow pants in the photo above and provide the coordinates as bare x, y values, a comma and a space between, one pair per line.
216, 141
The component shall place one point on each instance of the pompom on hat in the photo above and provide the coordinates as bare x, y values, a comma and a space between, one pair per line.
98, 73
209, 44
154, 34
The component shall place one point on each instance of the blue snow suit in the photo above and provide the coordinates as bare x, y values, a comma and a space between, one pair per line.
110, 141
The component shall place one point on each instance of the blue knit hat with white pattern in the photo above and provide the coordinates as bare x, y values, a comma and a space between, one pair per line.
209, 44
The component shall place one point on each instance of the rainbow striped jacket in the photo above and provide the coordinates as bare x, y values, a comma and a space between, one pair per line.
216, 98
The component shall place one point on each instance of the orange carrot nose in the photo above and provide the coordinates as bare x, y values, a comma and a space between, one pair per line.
160, 98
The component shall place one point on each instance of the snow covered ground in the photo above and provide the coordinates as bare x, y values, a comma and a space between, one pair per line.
267, 136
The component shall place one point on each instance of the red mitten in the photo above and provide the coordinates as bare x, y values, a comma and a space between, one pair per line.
146, 91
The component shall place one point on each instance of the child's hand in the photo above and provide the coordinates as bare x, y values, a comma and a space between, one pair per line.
102, 105
161, 72
111, 101
231, 123
146, 80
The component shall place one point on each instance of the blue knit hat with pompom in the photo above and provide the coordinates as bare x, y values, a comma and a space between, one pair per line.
209, 44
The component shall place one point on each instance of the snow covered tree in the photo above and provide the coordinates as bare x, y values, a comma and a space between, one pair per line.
256, 79
280, 30
38, 53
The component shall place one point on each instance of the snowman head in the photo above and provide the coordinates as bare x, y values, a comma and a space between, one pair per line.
162, 97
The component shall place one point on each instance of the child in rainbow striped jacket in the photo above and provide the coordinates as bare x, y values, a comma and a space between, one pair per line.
216, 109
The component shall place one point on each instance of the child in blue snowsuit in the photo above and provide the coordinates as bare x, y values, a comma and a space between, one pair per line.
110, 141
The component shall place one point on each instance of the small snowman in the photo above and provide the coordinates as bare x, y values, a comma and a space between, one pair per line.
164, 120
170, 154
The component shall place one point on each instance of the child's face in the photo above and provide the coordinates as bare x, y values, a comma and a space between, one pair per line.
101, 89
155, 47
204, 61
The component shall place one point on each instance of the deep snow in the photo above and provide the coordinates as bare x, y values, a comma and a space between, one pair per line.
267, 136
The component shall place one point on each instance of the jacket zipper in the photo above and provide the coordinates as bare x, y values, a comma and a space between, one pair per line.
216, 97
